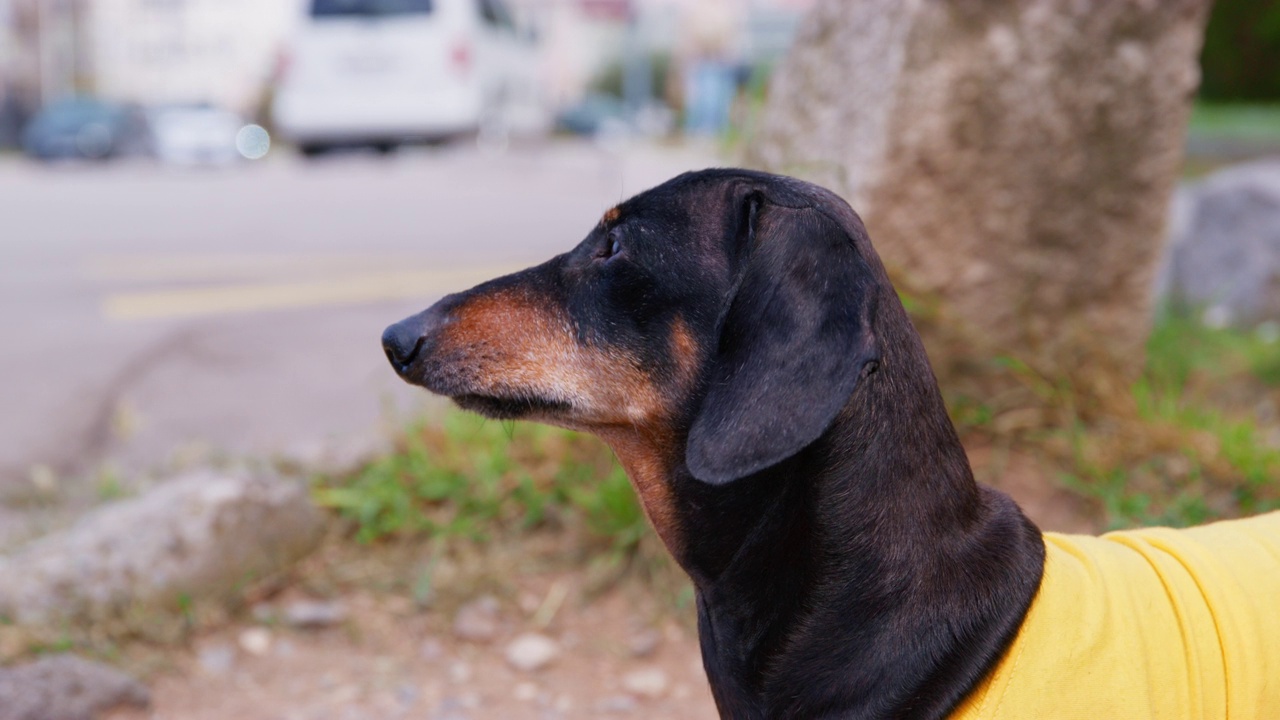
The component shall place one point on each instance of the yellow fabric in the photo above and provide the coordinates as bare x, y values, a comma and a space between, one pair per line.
1155, 623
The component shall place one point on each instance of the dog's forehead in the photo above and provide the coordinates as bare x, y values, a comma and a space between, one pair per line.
680, 204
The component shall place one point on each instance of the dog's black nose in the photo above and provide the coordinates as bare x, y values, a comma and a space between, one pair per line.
402, 342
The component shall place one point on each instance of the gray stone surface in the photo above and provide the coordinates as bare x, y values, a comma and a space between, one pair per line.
530, 652
478, 620
1223, 258
313, 614
205, 535
66, 687
1013, 159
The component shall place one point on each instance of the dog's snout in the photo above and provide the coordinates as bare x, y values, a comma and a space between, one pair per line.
401, 343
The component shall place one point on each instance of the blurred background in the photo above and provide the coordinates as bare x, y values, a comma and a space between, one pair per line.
210, 209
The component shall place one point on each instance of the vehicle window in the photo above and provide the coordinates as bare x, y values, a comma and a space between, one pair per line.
342, 8
494, 13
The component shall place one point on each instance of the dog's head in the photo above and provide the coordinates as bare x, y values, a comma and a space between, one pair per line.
727, 316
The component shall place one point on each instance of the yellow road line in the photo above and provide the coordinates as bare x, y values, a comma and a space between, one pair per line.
223, 266
246, 298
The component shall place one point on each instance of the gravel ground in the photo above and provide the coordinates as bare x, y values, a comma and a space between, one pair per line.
381, 657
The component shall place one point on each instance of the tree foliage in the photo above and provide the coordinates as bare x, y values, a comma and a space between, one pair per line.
1241, 57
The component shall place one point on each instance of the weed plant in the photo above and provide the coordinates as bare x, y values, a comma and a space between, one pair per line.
466, 477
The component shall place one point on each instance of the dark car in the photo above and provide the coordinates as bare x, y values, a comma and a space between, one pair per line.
10, 121
87, 129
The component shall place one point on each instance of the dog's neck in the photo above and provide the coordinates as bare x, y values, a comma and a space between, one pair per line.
871, 555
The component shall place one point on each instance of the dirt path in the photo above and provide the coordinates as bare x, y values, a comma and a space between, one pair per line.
388, 661
376, 653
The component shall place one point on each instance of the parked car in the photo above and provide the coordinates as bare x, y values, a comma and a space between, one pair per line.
194, 134
384, 72
86, 129
11, 120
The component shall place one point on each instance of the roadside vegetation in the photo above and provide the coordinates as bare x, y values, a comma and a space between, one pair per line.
463, 481
1259, 121
1196, 438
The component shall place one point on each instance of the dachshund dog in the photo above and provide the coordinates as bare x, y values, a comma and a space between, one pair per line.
734, 338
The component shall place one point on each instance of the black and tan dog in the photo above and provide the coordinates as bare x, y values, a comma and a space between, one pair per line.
733, 337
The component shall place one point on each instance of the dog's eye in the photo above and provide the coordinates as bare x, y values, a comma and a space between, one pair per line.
612, 246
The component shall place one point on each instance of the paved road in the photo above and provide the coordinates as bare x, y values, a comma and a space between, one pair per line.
150, 314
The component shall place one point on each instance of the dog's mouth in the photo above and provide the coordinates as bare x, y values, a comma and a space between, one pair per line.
450, 376
510, 408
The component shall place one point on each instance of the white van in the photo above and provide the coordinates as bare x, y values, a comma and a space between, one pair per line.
383, 72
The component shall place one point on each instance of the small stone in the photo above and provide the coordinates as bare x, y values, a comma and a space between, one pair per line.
344, 694
477, 621
643, 643
617, 705
216, 659
256, 641
525, 691
263, 614
648, 682
312, 614
531, 651
65, 686
431, 650
407, 695
460, 672
44, 480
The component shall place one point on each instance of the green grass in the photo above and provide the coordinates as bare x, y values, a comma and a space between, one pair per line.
1197, 448
1236, 121
465, 477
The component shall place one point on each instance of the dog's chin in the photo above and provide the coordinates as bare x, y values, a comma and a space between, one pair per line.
501, 408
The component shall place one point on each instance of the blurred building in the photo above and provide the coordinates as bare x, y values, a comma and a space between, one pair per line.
225, 51
150, 51
582, 38
164, 51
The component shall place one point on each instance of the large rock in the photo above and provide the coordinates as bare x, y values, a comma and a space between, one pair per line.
65, 687
1012, 158
205, 535
1224, 248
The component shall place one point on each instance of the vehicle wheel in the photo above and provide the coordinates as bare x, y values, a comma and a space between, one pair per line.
313, 150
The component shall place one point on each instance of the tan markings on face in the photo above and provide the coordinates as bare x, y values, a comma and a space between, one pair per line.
684, 349
611, 216
513, 345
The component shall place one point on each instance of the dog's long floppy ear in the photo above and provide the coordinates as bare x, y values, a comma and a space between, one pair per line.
795, 339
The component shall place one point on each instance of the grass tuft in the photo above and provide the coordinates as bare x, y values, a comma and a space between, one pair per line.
469, 478
1197, 440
